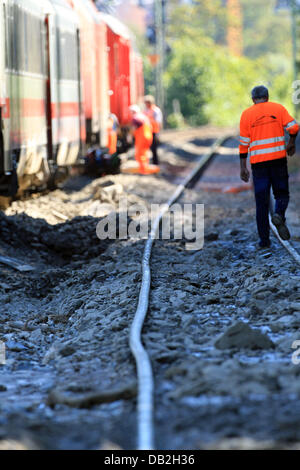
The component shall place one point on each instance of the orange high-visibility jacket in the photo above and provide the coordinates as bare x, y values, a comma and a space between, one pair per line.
155, 116
262, 131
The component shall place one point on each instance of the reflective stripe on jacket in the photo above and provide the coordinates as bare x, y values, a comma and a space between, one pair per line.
262, 131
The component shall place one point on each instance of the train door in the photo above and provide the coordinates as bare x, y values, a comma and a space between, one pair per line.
117, 84
103, 84
81, 122
95, 108
48, 92
98, 78
8, 177
13, 111
6, 113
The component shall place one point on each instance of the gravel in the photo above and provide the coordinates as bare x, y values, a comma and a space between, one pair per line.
220, 328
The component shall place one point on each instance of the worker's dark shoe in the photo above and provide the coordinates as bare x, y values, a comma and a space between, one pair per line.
264, 244
282, 229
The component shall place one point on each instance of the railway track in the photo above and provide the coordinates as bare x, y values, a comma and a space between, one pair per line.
145, 400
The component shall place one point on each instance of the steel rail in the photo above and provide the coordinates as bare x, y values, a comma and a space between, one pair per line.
287, 245
145, 400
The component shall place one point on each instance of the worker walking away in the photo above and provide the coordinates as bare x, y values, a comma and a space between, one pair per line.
143, 138
155, 117
112, 133
262, 129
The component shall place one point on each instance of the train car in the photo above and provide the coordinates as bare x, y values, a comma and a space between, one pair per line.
102, 73
24, 79
126, 82
94, 71
64, 67
40, 89
119, 47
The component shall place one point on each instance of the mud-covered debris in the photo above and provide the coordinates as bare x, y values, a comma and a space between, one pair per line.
241, 335
94, 398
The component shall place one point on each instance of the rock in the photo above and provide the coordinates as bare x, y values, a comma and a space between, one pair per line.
17, 325
295, 306
285, 344
96, 209
15, 346
287, 319
263, 295
36, 336
67, 350
275, 327
212, 236
253, 387
241, 335
212, 299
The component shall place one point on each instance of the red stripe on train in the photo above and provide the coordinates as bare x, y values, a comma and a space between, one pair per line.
64, 110
32, 107
36, 108
6, 109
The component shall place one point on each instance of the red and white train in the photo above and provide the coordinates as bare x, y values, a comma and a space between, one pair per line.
64, 67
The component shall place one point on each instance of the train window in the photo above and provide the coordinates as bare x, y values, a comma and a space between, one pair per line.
5, 20
19, 53
10, 37
14, 33
15, 38
67, 54
35, 45
22, 41
25, 42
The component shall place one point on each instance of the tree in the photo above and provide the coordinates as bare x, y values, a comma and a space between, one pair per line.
266, 30
197, 19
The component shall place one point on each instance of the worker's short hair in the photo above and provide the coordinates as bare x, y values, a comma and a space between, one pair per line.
259, 92
149, 99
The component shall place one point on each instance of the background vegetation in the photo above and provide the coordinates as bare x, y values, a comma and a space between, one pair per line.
210, 83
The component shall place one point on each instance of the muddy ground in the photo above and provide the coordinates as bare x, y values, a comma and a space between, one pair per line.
220, 328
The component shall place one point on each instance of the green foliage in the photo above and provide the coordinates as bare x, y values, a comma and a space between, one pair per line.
198, 18
265, 29
210, 83
214, 86
175, 121
186, 81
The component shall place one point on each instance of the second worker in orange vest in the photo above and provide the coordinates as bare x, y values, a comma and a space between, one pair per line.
142, 136
154, 115
262, 128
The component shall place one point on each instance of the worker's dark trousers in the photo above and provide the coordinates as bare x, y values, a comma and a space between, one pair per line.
272, 173
154, 146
